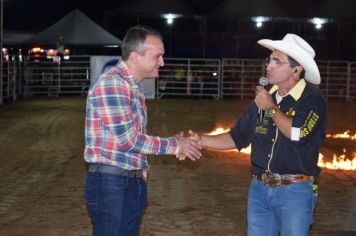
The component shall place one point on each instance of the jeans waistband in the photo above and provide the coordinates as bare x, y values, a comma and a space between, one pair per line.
114, 170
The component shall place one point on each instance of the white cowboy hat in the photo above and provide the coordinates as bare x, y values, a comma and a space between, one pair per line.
298, 49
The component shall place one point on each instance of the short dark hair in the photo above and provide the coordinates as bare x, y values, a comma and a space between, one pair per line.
134, 39
294, 63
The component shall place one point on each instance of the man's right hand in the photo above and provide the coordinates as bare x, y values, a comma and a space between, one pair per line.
188, 148
196, 137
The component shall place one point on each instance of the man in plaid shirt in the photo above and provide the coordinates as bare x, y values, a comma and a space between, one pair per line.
116, 139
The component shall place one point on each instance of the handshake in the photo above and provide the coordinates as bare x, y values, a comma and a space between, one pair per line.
189, 146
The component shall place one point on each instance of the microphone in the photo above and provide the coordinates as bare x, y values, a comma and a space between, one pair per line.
263, 82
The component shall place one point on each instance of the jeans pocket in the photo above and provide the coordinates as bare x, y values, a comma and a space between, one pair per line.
302, 187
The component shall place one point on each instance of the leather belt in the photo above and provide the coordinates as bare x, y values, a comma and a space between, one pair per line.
114, 170
273, 180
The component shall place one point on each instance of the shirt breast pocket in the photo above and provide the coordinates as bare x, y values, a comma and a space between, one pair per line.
138, 112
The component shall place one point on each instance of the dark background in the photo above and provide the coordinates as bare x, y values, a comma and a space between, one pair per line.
202, 31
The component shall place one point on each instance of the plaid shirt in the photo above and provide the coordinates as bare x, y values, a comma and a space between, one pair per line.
115, 124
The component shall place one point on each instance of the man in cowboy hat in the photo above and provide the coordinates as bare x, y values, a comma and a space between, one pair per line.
285, 143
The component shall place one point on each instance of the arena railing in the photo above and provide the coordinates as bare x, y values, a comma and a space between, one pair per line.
54, 77
180, 77
240, 77
189, 78
13, 80
351, 87
336, 79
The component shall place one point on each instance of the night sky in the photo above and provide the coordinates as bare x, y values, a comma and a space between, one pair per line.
36, 15
225, 37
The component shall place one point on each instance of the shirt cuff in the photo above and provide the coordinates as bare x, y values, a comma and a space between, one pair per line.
172, 146
295, 135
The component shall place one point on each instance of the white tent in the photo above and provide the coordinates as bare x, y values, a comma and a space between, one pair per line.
76, 29
13, 38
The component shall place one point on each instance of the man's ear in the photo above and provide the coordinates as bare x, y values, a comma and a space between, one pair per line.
133, 56
297, 69
296, 72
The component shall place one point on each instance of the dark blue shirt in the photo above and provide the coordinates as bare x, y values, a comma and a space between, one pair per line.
271, 150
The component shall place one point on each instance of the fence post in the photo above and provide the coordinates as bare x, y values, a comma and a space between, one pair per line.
8, 76
348, 81
14, 78
1, 53
59, 75
242, 79
327, 80
25, 70
222, 65
220, 92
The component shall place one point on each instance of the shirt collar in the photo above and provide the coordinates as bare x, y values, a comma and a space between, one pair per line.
295, 92
128, 75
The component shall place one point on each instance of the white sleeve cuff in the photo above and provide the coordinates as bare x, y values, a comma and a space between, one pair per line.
295, 134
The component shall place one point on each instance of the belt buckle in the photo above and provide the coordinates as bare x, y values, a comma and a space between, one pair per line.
271, 179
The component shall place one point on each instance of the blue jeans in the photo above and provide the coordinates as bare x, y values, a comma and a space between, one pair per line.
287, 209
115, 203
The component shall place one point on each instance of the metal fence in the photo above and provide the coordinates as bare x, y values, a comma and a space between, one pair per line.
13, 79
45, 76
338, 79
210, 78
189, 77
240, 77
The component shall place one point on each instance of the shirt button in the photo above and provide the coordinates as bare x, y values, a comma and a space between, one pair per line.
274, 124
269, 155
273, 140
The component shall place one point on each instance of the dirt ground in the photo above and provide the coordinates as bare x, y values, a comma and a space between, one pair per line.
42, 172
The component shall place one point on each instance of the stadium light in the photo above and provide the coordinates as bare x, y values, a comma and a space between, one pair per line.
260, 20
170, 20
170, 17
318, 22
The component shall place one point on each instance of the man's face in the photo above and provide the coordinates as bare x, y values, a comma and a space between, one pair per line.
278, 68
149, 63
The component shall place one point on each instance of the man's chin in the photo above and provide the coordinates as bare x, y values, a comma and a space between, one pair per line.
153, 76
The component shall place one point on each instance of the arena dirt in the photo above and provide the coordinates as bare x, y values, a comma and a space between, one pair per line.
42, 172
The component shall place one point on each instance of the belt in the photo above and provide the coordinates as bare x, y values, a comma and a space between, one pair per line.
273, 180
114, 170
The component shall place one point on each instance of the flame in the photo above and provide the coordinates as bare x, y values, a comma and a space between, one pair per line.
345, 135
218, 130
338, 162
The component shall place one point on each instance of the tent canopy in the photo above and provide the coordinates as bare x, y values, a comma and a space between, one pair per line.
13, 38
76, 29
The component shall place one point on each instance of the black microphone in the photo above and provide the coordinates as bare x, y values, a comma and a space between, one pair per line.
263, 82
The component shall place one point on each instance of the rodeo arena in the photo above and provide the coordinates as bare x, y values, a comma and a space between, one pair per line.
42, 119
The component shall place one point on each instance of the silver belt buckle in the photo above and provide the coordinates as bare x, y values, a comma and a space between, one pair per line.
271, 179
